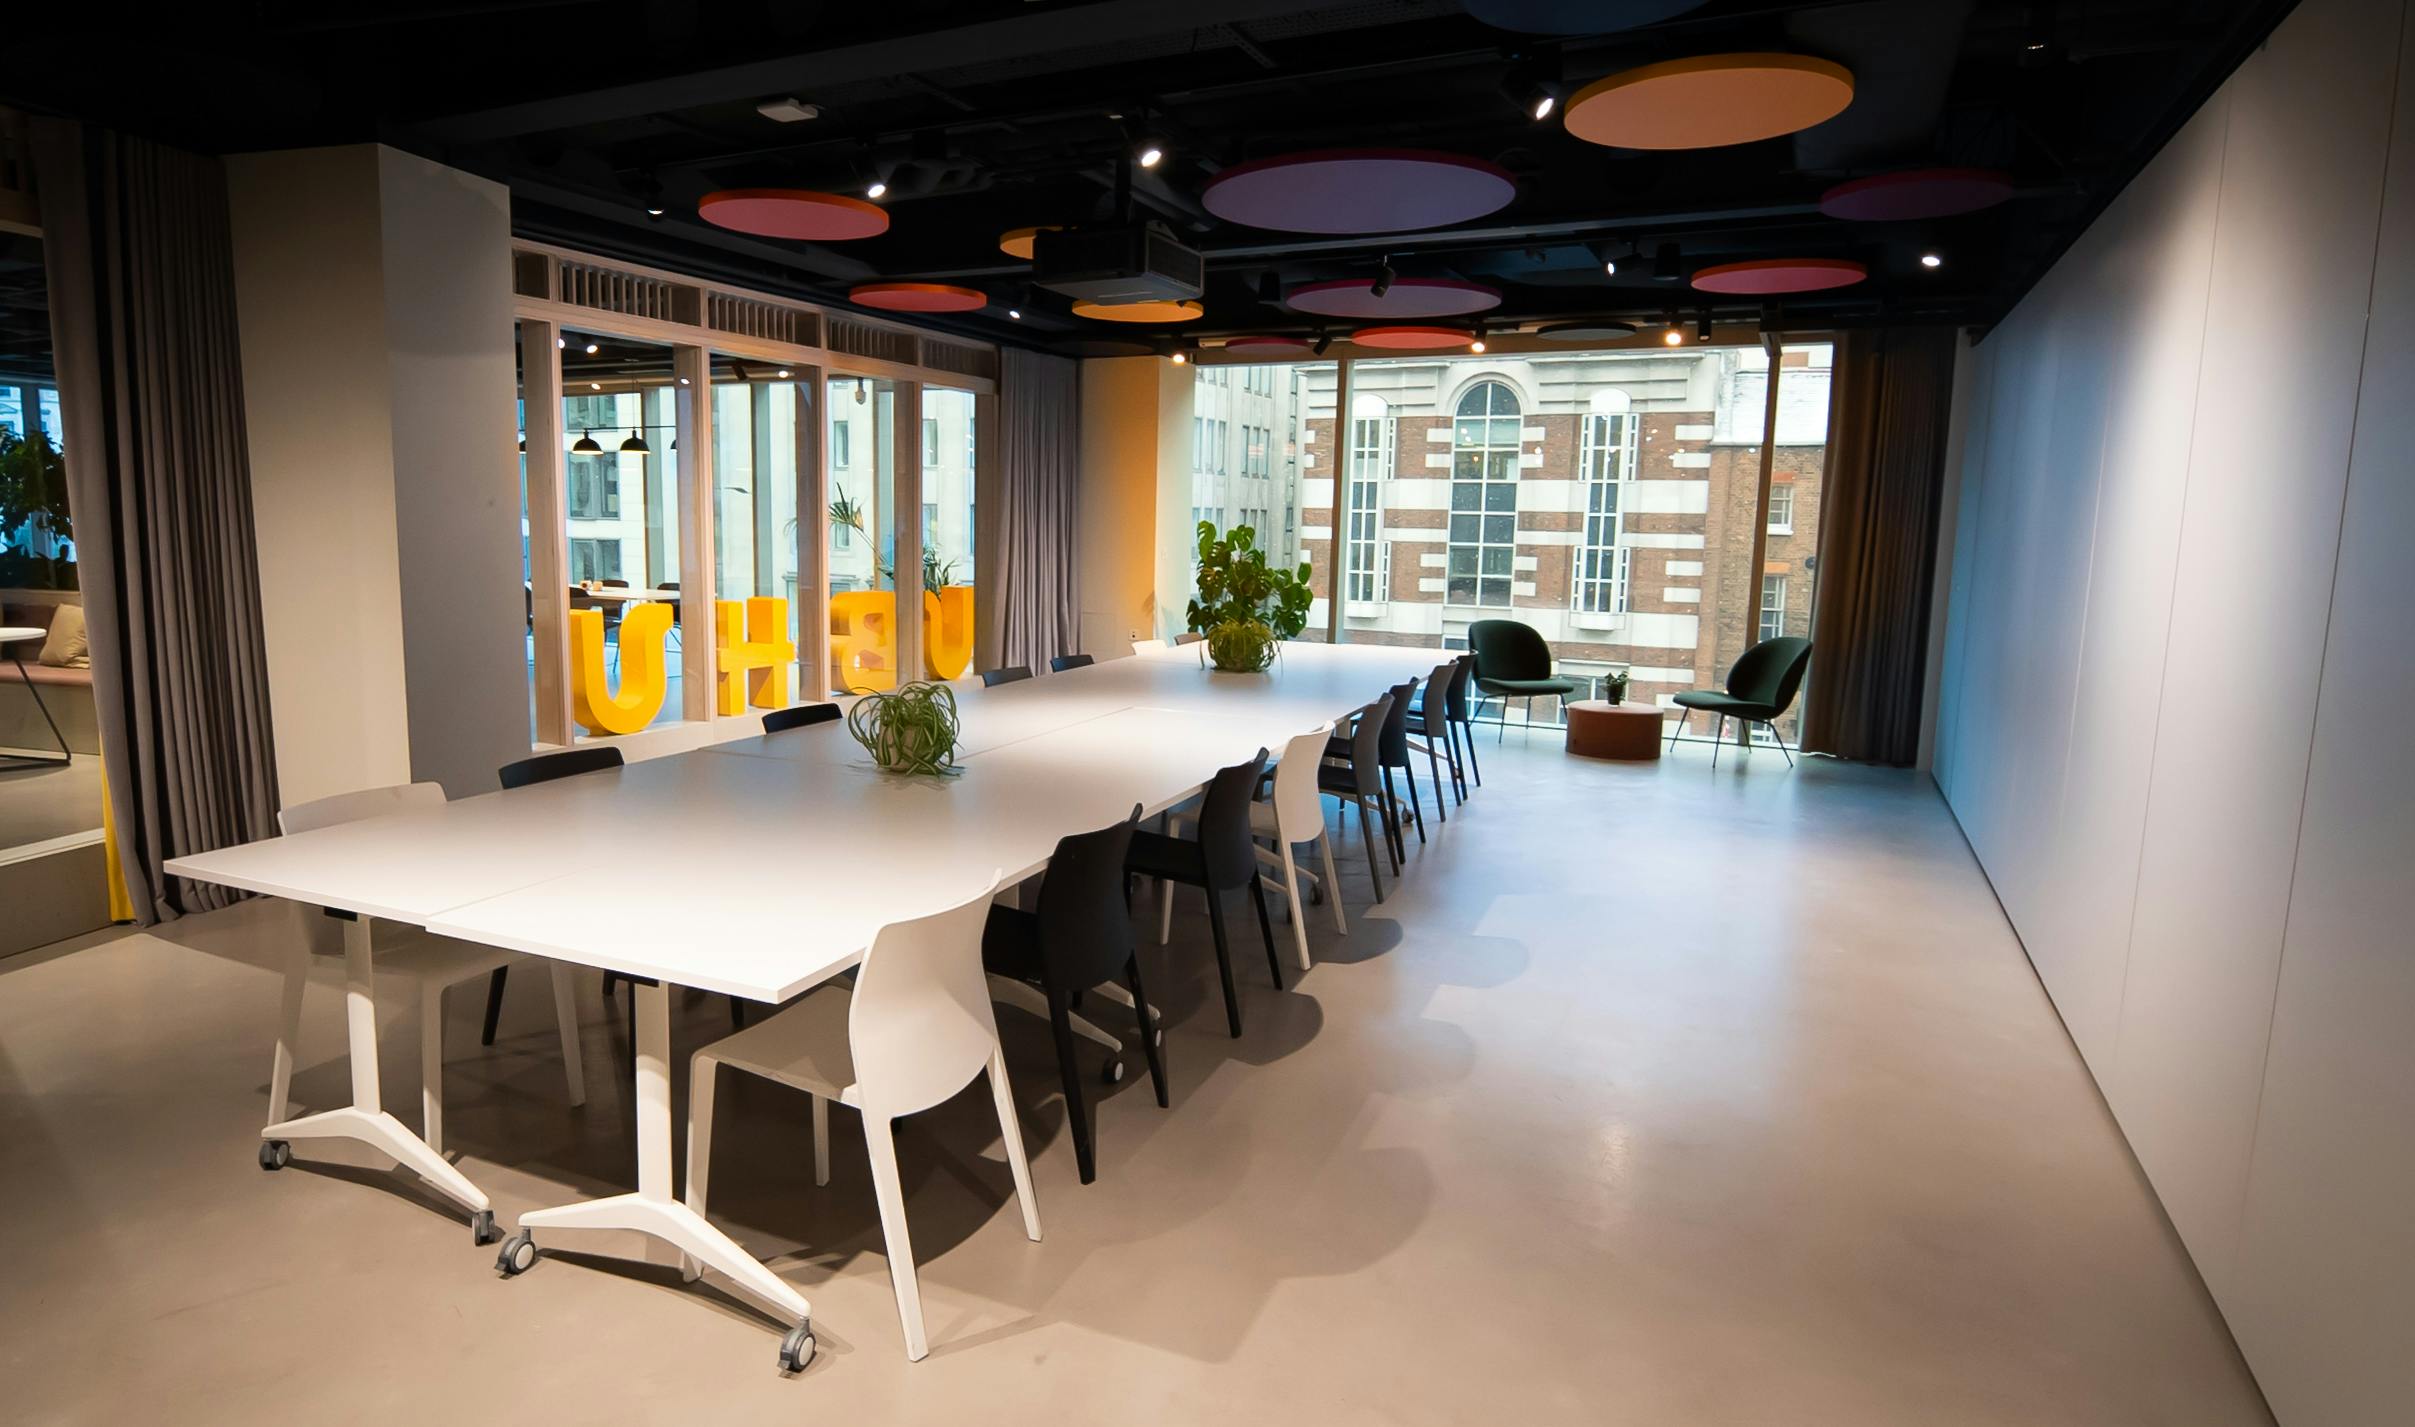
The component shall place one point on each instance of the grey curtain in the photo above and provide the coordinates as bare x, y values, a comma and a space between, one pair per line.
1878, 544
1038, 564
142, 306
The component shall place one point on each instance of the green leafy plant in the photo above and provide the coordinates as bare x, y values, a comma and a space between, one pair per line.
936, 572
1614, 685
910, 730
33, 491
1245, 605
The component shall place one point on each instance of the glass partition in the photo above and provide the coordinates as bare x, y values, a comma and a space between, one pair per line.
949, 447
759, 415
621, 503
862, 435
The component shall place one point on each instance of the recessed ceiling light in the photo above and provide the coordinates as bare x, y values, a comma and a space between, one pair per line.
788, 111
595, 386
1015, 312
683, 381
592, 349
559, 344
1477, 345
653, 212
1151, 154
876, 188
1674, 337
783, 371
1931, 260
1179, 358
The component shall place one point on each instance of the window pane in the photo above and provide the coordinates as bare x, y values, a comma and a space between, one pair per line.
947, 535
759, 418
1466, 495
1500, 495
861, 413
621, 498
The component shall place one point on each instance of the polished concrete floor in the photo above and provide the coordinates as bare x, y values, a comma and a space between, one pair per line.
41, 803
1657, 1094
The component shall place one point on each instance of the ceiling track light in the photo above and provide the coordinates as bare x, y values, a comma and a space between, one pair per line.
1702, 326
1668, 265
1383, 280
1931, 260
1324, 344
1015, 313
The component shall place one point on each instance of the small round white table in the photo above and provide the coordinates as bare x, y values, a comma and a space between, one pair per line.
13, 638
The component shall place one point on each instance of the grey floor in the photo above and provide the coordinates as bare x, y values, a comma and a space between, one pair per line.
1657, 1094
38, 804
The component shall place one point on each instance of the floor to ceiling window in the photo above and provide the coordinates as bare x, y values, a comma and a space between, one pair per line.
1485, 458
760, 415
862, 435
620, 495
950, 451
1366, 563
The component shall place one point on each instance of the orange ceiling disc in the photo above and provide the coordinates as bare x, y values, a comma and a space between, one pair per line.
1709, 101
1139, 311
917, 297
1016, 242
793, 213
1763, 277
1412, 339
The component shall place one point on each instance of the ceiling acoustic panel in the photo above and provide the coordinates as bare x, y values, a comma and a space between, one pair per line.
1358, 191
794, 213
1576, 17
1413, 338
1916, 193
1405, 299
1185, 311
917, 297
1709, 101
1267, 346
1765, 277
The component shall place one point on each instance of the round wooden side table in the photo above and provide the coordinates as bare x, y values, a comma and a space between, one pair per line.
1630, 732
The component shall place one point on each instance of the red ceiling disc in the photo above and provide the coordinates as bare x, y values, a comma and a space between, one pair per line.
1408, 297
793, 213
1917, 193
1412, 339
1358, 191
1267, 346
1765, 276
917, 297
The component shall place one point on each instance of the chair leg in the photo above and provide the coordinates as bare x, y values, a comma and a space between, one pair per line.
1291, 889
1010, 1134
1389, 806
880, 1142
494, 1004
1442, 813
1774, 738
1069, 1071
1408, 775
1474, 766
821, 1142
1450, 748
289, 1032
1150, 1036
1333, 881
1224, 963
1266, 927
1682, 716
431, 1065
1367, 837
1718, 736
566, 1021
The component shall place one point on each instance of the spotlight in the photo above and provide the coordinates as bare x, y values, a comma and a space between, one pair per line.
592, 349
1016, 313
1152, 152
1324, 344
1610, 267
783, 372
586, 445
1931, 260
1477, 345
1702, 326
1179, 359
595, 386
1674, 337
636, 445
1529, 87
1383, 280
559, 344
1667, 265
653, 212
863, 391
877, 188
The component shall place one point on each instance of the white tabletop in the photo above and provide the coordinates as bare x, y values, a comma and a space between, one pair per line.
769, 862
12, 633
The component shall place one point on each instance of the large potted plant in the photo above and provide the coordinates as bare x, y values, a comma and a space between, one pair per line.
912, 730
1245, 605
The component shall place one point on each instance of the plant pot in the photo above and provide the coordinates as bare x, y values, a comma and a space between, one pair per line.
1241, 646
912, 730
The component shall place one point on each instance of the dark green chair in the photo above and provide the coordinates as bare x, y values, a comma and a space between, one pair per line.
1512, 661
1761, 686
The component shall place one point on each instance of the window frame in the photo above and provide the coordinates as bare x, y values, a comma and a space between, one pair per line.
1606, 461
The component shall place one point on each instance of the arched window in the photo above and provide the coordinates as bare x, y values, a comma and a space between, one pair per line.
1370, 461
1484, 496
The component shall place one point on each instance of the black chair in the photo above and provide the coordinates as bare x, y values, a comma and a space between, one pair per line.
1064, 662
543, 768
1355, 775
799, 716
1012, 673
1456, 712
1429, 732
1079, 937
1223, 858
1512, 661
1392, 751
1761, 686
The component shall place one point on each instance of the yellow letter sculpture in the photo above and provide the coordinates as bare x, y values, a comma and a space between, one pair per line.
947, 631
863, 640
753, 641
640, 695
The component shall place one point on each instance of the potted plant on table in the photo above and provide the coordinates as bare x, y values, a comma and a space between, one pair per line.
911, 729
1614, 684
1245, 606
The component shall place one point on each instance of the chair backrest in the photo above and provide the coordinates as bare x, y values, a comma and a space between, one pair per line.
546, 767
1437, 703
1392, 745
799, 716
1225, 845
920, 1024
352, 807
1366, 745
1506, 649
1770, 671
1147, 646
1455, 703
1299, 811
1064, 662
614, 584
990, 678
1085, 926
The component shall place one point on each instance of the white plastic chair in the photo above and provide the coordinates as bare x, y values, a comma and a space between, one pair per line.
434, 963
1147, 646
916, 1027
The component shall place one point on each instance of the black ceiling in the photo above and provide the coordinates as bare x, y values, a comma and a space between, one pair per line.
995, 115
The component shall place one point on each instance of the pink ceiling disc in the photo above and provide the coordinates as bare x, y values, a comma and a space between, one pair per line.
793, 213
1406, 298
1766, 276
1358, 191
917, 297
1266, 346
1916, 193
1412, 339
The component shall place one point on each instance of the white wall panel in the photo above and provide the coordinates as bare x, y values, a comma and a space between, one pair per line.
2268, 463
2325, 1295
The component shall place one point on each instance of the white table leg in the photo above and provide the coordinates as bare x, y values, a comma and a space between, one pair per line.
365, 1119
651, 1210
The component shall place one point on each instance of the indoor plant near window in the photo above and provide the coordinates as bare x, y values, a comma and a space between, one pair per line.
33, 497
910, 730
1244, 605
1614, 684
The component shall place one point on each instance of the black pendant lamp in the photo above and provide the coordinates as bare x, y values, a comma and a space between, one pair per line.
586, 445
636, 445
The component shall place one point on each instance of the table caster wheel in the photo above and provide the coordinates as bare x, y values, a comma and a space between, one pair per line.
482, 1227
275, 1154
518, 1256
796, 1350
1114, 1073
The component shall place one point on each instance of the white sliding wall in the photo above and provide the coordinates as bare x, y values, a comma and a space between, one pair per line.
2174, 718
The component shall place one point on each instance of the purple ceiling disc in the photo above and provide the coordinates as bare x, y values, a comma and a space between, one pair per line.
1407, 297
1358, 191
1575, 17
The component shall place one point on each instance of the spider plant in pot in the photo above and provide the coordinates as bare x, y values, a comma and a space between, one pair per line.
911, 729
1245, 605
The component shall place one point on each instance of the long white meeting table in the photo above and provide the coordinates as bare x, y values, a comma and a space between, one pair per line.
771, 860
